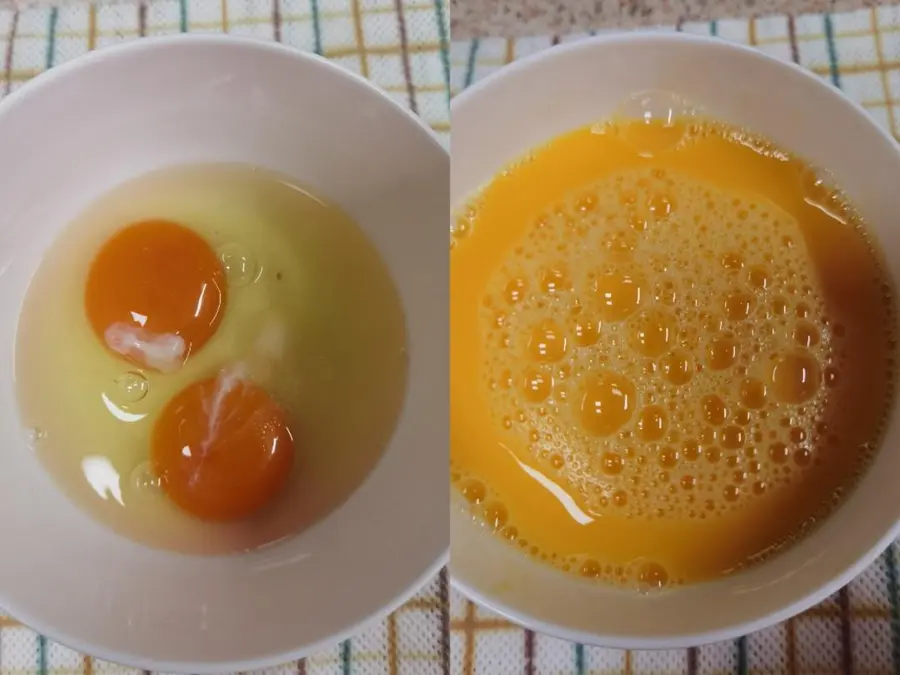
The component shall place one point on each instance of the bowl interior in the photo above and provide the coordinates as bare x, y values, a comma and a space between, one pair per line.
564, 88
89, 125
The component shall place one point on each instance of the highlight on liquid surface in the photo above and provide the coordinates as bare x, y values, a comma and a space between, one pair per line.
672, 351
210, 358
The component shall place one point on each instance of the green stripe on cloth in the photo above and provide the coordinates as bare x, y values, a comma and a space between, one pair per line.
42, 655
579, 659
445, 43
713, 27
317, 25
51, 38
183, 16
345, 657
832, 50
890, 564
741, 644
470, 64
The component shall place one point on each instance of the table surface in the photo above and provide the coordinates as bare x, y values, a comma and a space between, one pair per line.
511, 18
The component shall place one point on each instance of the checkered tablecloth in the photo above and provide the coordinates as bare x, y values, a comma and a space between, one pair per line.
414, 640
857, 630
400, 45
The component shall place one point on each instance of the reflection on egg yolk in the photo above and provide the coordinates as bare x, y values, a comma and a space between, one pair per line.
222, 449
155, 293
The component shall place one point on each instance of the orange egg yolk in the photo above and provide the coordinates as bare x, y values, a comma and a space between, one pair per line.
222, 448
155, 293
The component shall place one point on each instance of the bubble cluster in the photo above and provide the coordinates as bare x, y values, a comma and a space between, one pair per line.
241, 265
130, 387
658, 347
650, 337
670, 117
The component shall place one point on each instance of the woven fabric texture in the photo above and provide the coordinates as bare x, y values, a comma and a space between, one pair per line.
401, 46
411, 641
857, 631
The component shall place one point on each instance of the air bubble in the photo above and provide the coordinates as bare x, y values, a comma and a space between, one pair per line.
732, 261
712, 454
130, 387
607, 404
652, 576
651, 332
798, 435
732, 438
612, 463
555, 280
515, 290
474, 491
619, 294
144, 480
753, 393
802, 457
665, 116
660, 205
722, 352
817, 190
586, 332
651, 423
677, 368
537, 385
715, 411
619, 244
779, 452
759, 277
36, 435
591, 569
241, 266
780, 306
738, 305
795, 377
690, 450
547, 342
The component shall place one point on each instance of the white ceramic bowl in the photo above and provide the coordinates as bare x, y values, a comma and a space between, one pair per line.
105, 118
567, 87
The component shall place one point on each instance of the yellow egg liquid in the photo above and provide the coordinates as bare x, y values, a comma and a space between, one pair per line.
672, 351
312, 316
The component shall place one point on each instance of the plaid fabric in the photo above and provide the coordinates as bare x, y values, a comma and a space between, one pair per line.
411, 641
858, 51
858, 629
414, 640
401, 45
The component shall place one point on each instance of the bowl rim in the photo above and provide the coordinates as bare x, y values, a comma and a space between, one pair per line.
47, 79
735, 630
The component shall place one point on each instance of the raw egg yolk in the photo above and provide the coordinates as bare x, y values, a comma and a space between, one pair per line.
155, 293
222, 449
